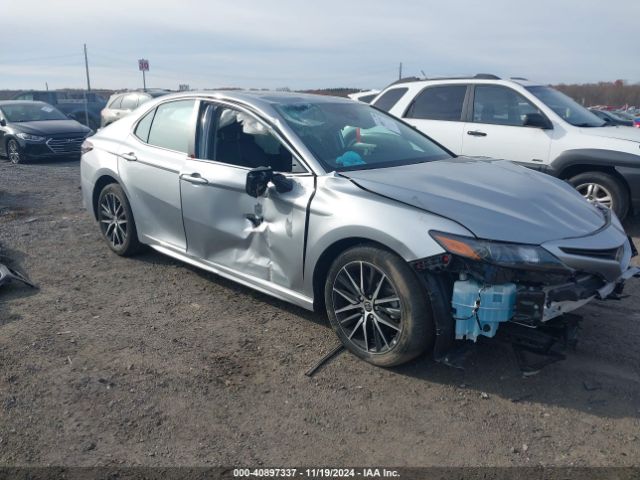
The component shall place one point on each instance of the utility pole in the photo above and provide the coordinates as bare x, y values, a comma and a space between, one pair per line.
400, 71
46, 84
86, 66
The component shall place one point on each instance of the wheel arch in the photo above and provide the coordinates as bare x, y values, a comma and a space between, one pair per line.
101, 182
328, 256
575, 162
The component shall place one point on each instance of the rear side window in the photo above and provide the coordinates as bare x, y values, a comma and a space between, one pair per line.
171, 127
129, 102
143, 98
144, 125
115, 104
389, 98
439, 103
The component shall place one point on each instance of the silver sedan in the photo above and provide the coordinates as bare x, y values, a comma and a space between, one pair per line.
331, 204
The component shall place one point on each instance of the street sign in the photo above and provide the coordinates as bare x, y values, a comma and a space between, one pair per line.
143, 65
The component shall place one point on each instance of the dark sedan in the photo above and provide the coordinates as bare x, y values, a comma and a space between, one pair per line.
31, 130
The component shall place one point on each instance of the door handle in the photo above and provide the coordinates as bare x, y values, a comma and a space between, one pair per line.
194, 178
476, 133
129, 157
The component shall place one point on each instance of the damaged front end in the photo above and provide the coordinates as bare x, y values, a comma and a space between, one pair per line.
530, 289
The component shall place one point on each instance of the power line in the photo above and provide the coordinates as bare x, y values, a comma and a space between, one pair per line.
36, 59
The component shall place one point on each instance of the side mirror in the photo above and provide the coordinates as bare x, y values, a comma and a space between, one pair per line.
536, 120
3, 122
258, 180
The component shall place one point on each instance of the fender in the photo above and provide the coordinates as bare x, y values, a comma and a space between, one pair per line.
592, 156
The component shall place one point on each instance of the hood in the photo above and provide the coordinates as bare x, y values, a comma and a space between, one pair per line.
50, 127
496, 200
619, 132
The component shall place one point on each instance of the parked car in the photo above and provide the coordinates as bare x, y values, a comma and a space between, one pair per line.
612, 118
31, 130
122, 104
329, 203
71, 103
364, 96
530, 124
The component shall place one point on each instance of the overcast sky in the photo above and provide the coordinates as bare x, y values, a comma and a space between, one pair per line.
314, 44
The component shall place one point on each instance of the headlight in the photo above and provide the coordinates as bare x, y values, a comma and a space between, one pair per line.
29, 137
511, 255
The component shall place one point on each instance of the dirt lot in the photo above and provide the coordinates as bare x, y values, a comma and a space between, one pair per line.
147, 361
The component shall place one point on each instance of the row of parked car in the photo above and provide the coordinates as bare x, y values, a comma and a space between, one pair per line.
42, 124
90, 108
626, 118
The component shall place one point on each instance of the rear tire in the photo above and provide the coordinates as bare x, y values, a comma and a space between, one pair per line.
603, 188
378, 307
116, 221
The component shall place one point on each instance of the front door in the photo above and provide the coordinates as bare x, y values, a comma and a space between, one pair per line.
496, 129
261, 239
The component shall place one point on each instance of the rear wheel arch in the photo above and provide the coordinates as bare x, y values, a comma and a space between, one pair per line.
102, 182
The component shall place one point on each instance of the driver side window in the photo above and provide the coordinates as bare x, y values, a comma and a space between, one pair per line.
239, 139
500, 106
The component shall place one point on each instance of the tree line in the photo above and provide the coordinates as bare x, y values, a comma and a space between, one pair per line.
615, 94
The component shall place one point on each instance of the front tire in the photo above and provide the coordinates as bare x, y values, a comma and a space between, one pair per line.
116, 221
14, 152
378, 307
603, 188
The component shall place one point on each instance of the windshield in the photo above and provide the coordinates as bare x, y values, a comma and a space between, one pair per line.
355, 136
31, 112
570, 111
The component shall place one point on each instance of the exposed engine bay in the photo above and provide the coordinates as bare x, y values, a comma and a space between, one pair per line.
533, 304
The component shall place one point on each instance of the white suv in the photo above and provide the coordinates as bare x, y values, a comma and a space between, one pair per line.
527, 123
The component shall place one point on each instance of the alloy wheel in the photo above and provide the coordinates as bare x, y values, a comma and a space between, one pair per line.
367, 307
113, 220
594, 192
14, 151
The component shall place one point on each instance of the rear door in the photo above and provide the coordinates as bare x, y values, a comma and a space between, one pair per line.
496, 128
437, 112
261, 238
150, 163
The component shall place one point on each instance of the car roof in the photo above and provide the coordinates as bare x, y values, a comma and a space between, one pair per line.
263, 100
271, 97
20, 102
478, 79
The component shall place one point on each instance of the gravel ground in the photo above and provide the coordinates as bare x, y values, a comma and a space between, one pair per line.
147, 361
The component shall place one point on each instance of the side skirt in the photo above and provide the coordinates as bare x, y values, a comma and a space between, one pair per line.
260, 285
